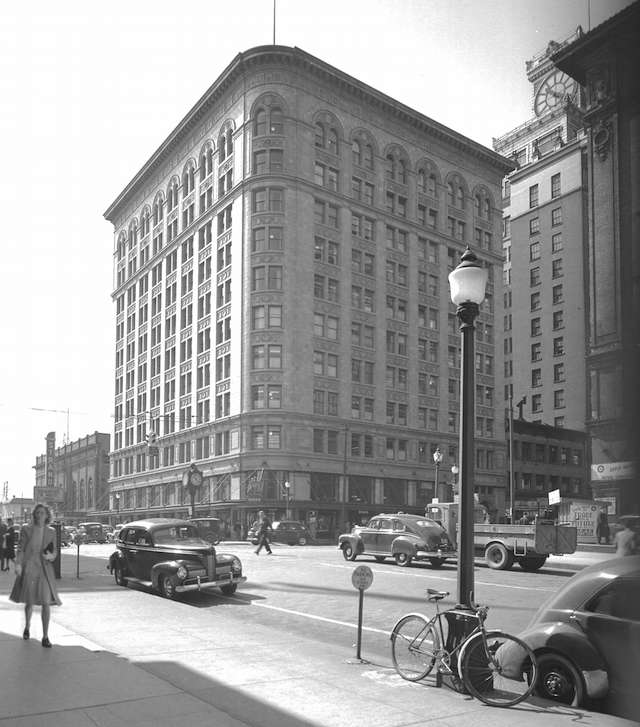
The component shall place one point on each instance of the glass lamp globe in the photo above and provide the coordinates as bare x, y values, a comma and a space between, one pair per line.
468, 281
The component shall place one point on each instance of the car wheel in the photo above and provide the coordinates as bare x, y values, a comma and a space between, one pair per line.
559, 680
230, 589
498, 557
403, 560
379, 558
118, 575
167, 587
348, 552
532, 563
436, 562
302, 541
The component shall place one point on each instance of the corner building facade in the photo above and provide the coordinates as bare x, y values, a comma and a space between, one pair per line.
283, 318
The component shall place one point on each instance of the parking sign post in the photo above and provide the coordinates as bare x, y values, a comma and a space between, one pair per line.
362, 578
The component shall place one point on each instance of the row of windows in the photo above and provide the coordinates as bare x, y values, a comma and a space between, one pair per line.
555, 191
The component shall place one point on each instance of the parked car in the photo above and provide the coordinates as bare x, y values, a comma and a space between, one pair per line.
93, 532
400, 536
210, 528
169, 556
587, 639
291, 532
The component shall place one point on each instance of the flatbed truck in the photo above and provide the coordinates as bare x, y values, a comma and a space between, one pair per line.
503, 545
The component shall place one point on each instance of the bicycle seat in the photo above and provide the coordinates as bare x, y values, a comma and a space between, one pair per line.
434, 595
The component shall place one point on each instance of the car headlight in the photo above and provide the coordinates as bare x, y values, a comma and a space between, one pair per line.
236, 566
182, 572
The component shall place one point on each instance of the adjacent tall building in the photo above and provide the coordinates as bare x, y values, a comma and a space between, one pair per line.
605, 62
283, 318
545, 296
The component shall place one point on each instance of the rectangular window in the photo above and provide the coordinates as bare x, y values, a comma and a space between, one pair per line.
558, 346
558, 320
556, 268
534, 277
556, 216
536, 378
558, 373
535, 301
536, 403
534, 251
534, 225
533, 196
536, 326
536, 352
555, 185
558, 399
558, 296
556, 242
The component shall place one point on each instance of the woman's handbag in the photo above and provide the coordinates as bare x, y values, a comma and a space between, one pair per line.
16, 591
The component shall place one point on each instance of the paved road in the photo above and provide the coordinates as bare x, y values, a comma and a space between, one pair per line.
307, 591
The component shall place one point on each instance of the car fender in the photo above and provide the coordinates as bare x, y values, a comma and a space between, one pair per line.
571, 642
117, 558
168, 567
403, 544
353, 540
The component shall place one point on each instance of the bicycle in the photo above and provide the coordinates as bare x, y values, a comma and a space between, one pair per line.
495, 667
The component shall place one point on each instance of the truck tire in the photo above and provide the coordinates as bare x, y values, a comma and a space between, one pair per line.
532, 562
498, 556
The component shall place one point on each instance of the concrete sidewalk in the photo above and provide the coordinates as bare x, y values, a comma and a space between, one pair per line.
229, 679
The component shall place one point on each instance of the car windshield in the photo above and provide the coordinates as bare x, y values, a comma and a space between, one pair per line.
289, 525
178, 535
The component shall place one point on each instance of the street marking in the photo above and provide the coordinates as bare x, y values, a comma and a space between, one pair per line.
310, 615
431, 576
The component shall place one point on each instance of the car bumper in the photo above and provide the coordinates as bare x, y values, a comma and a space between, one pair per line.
201, 585
425, 555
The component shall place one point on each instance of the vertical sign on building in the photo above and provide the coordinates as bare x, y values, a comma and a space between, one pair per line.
49, 468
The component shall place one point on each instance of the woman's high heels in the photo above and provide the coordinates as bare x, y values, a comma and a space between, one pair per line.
25, 634
46, 643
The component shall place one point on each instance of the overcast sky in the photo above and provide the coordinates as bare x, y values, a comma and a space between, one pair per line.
90, 90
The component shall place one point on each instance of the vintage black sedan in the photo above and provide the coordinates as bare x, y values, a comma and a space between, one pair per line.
400, 536
169, 556
587, 639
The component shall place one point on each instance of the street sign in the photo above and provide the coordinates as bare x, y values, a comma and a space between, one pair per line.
554, 497
362, 577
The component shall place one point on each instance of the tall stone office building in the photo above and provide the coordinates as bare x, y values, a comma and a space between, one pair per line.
283, 318
545, 231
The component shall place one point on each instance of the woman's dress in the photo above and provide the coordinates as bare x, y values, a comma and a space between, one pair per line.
36, 586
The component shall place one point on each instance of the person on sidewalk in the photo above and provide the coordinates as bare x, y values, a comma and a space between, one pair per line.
35, 583
3, 545
9, 544
263, 530
626, 541
602, 527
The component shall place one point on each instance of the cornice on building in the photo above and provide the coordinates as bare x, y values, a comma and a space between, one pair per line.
268, 56
548, 159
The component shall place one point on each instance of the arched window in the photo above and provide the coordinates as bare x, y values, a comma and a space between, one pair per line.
402, 171
451, 198
367, 156
145, 222
332, 141
121, 246
158, 210
276, 125
460, 197
390, 172
172, 194
188, 180
421, 181
356, 153
320, 135
206, 161
487, 208
477, 203
260, 123
133, 234
431, 185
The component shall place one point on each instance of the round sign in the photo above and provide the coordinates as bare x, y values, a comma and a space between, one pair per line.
362, 577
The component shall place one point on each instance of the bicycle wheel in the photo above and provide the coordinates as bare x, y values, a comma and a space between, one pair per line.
414, 643
500, 671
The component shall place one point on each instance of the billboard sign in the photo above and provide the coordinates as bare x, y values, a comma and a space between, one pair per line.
612, 471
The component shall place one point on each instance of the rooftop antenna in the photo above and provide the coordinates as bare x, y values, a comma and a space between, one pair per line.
274, 22
588, 14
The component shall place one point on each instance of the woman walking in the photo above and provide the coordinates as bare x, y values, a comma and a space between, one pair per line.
35, 584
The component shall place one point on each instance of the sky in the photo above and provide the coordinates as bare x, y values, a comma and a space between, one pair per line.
89, 92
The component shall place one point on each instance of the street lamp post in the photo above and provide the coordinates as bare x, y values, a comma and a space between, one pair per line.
454, 478
467, 283
287, 494
117, 499
437, 459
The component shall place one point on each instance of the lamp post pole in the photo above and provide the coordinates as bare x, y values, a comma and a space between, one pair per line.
467, 284
287, 492
117, 499
437, 459
454, 482
191, 481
